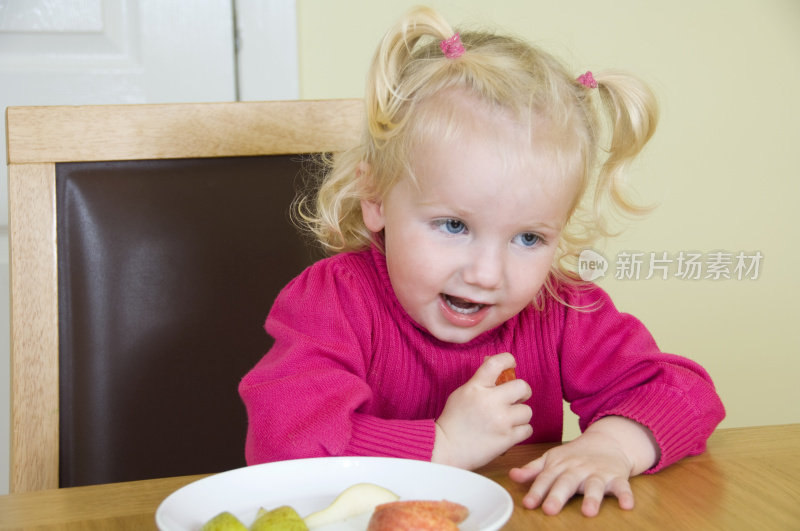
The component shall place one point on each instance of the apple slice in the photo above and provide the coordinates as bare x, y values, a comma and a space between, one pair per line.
506, 376
358, 499
418, 515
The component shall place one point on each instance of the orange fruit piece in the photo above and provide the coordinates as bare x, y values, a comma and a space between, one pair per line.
506, 376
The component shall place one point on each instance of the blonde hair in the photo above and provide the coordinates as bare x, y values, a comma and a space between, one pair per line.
409, 69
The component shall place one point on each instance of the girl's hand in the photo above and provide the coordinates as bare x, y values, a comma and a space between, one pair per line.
597, 463
482, 420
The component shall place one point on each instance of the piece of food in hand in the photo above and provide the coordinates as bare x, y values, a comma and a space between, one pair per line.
506, 376
417, 515
358, 499
283, 518
224, 521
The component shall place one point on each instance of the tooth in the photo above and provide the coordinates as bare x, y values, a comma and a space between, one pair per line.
466, 311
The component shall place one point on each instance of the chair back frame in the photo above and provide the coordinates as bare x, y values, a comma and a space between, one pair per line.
40, 137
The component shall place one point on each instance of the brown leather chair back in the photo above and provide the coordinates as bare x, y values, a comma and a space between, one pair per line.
167, 270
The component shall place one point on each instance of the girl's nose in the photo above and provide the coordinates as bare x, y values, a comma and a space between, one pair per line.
485, 267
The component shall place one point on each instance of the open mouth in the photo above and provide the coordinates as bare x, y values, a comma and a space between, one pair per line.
462, 306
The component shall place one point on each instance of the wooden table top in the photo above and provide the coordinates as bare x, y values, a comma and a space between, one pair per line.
748, 479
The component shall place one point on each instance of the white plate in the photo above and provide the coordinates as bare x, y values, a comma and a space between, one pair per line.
309, 485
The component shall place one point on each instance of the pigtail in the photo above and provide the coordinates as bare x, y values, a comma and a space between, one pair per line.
330, 210
622, 110
386, 102
632, 115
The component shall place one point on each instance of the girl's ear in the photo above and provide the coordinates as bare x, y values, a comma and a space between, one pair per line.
372, 207
372, 212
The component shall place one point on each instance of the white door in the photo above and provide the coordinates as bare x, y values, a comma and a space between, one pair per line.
74, 52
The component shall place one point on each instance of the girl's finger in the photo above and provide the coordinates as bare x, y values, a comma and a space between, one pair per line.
529, 471
521, 432
540, 489
559, 493
515, 392
621, 488
520, 414
594, 488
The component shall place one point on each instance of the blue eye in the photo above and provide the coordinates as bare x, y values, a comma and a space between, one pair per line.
451, 226
527, 239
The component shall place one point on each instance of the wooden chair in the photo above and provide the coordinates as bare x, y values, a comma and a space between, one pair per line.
147, 243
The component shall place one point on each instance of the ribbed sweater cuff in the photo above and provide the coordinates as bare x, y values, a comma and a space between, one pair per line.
410, 439
678, 427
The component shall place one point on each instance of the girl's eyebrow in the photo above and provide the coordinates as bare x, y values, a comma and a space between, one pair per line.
455, 210
548, 226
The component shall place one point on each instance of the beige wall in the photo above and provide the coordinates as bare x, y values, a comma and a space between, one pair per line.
723, 166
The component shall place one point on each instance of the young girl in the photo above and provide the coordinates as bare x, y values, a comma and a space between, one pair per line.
456, 224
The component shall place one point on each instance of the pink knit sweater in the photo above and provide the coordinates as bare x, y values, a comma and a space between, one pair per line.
351, 374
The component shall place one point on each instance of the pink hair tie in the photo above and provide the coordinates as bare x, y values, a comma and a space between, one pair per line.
452, 47
587, 80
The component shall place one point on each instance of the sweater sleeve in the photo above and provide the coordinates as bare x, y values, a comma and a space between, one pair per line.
611, 365
308, 395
